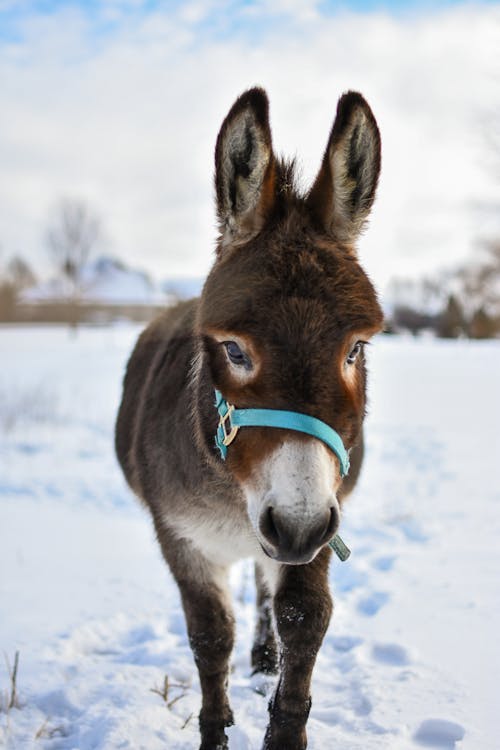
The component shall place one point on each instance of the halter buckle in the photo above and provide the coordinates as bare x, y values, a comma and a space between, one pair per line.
228, 437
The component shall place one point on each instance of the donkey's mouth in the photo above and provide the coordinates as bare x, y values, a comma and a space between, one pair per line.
290, 558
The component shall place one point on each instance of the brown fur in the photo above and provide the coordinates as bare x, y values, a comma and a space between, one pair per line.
287, 281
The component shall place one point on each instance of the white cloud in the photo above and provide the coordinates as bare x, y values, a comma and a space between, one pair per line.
128, 120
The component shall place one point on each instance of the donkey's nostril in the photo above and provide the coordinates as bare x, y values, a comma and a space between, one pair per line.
333, 523
268, 527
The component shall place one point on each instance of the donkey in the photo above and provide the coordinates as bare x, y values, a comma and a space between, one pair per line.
242, 409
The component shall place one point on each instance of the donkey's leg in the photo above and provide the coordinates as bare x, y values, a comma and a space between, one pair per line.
264, 650
303, 608
210, 625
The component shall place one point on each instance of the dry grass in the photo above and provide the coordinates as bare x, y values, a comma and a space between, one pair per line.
10, 698
46, 732
165, 692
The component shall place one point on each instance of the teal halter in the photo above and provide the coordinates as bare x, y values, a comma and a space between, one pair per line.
231, 419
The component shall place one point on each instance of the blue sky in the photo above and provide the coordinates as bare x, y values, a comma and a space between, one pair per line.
47, 6
211, 19
14, 12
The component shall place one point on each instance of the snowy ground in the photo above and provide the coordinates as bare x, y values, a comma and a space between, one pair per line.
411, 658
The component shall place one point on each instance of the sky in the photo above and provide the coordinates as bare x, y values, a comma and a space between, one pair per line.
119, 103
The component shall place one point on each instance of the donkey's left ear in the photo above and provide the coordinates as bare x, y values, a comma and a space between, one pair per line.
244, 168
344, 190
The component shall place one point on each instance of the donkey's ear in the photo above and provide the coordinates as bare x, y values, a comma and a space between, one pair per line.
344, 190
244, 168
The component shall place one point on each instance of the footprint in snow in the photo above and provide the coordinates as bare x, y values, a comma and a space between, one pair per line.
361, 705
345, 643
412, 530
391, 654
29, 449
139, 634
384, 563
372, 603
439, 733
349, 578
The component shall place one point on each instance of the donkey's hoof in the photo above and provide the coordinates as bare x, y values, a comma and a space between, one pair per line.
283, 739
210, 744
213, 736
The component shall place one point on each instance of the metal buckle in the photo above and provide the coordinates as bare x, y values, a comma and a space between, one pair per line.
228, 436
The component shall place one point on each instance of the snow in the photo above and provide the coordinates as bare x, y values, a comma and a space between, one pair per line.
410, 659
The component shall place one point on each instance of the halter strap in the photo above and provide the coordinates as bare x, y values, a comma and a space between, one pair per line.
231, 419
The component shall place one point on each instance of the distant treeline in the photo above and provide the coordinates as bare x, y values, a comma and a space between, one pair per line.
464, 302
450, 323
17, 276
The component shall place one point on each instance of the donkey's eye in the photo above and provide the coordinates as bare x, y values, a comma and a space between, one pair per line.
236, 356
356, 350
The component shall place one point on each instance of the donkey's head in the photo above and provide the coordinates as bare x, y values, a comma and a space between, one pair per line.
284, 316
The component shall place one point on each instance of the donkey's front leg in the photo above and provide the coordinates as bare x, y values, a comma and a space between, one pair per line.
303, 607
210, 624
210, 627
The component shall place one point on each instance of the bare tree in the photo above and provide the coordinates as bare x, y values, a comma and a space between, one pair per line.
72, 235
20, 273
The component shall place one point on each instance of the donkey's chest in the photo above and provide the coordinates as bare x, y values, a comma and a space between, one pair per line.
224, 534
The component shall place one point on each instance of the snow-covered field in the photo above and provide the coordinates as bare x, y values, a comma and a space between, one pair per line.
411, 658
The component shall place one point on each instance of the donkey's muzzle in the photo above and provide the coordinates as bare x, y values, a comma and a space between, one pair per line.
293, 540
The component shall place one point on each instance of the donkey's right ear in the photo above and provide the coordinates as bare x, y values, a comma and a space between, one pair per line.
244, 168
